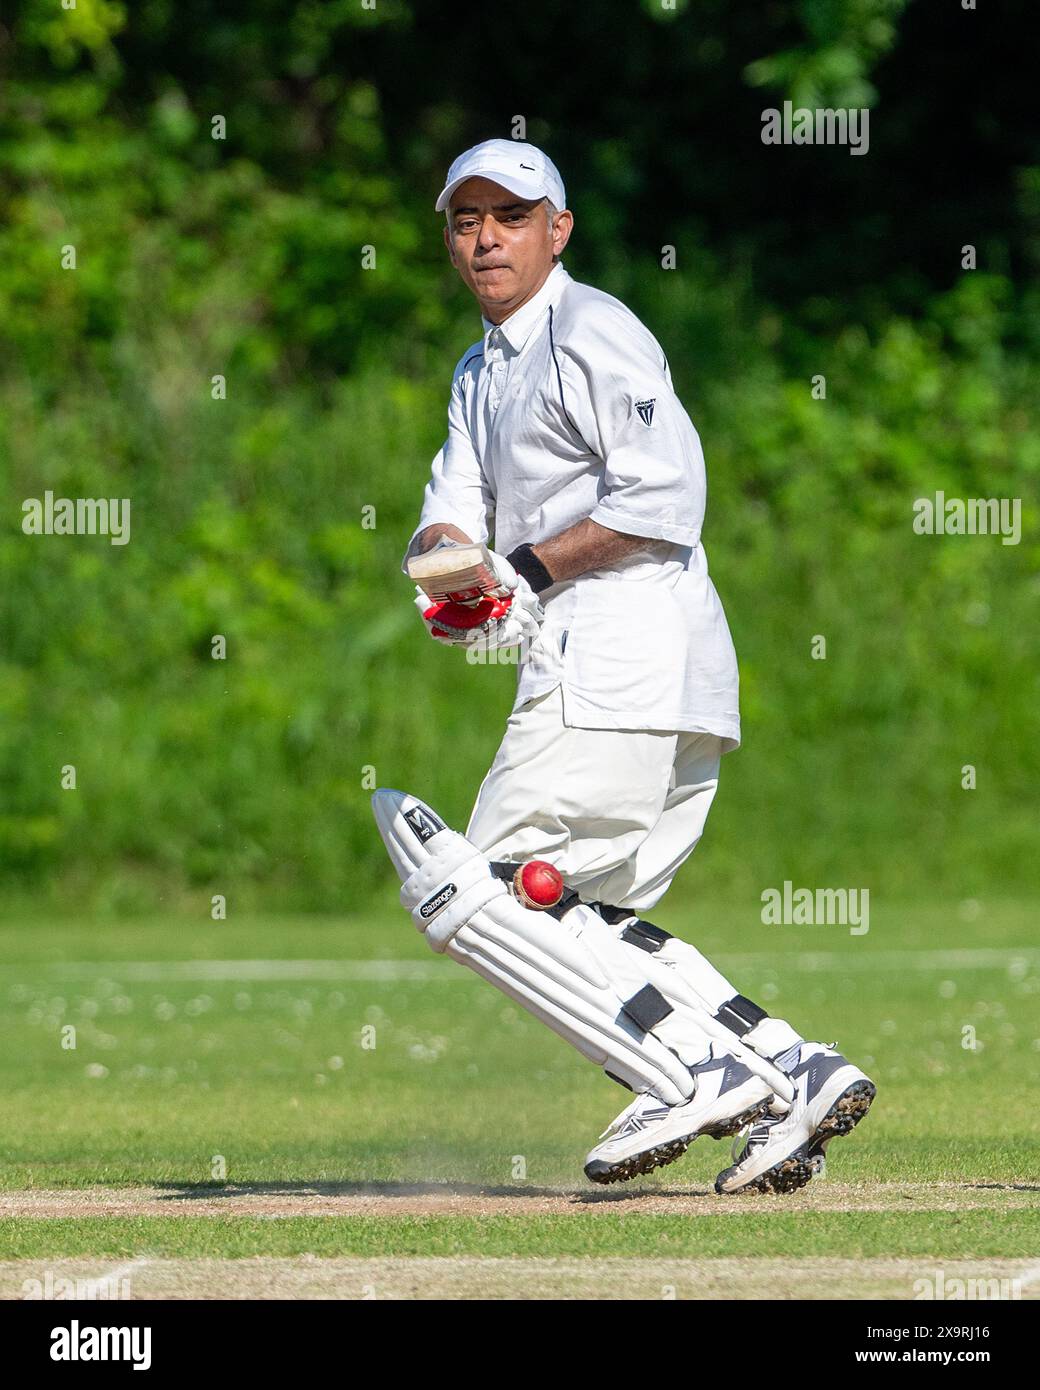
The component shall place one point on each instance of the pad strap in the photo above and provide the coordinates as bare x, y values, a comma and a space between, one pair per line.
646, 936
740, 1014
647, 1008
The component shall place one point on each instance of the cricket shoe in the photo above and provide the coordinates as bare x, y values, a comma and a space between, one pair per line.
648, 1134
781, 1153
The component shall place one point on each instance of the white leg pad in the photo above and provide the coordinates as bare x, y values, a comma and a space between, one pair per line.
535, 960
574, 975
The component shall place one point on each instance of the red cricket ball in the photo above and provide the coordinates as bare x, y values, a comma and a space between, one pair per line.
538, 885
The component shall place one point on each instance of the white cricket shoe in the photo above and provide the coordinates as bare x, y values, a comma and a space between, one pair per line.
781, 1153
648, 1134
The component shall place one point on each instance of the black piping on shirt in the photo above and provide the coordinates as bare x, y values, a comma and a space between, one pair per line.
471, 358
559, 380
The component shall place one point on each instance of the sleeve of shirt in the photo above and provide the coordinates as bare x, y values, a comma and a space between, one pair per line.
618, 393
458, 491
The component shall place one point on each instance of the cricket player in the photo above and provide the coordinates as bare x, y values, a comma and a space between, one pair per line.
569, 451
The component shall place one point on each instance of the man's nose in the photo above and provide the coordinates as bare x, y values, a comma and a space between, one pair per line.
488, 233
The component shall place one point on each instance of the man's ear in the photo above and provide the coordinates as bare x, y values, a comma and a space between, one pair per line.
561, 232
447, 242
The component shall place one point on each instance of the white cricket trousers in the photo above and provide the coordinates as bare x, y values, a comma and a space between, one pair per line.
616, 811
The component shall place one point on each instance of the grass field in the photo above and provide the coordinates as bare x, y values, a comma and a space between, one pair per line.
322, 1108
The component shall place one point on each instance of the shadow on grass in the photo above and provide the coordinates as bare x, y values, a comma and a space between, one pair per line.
188, 1192
1006, 1186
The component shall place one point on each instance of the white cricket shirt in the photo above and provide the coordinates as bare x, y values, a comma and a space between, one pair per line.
566, 410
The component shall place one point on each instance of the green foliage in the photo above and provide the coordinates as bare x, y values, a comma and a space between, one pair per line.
243, 258
844, 39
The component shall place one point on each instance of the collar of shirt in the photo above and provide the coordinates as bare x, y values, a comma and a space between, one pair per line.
518, 327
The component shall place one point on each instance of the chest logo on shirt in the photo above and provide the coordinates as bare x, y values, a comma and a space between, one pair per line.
646, 410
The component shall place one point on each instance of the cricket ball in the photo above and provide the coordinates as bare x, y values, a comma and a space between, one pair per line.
538, 885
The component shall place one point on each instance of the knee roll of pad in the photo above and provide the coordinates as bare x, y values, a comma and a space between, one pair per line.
444, 893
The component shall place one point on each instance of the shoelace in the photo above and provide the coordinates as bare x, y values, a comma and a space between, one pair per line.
752, 1137
619, 1120
643, 1105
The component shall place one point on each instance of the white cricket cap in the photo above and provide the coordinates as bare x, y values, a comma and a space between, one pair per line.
523, 169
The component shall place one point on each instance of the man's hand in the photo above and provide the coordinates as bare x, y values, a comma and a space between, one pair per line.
430, 535
476, 598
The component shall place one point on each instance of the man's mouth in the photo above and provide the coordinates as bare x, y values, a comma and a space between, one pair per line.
481, 268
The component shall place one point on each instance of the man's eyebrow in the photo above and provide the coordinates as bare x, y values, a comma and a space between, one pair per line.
496, 207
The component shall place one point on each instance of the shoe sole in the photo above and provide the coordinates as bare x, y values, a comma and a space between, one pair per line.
794, 1171
663, 1154
841, 1119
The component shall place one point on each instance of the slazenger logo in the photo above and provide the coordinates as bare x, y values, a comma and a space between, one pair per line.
434, 904
646, 410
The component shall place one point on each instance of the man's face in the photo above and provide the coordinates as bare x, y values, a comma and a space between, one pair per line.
501, 244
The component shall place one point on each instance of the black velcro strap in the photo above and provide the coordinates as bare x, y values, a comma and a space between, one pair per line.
647, 1008
646, 936
740, 1014
503, 870
612, 915
570, 899
526, 563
